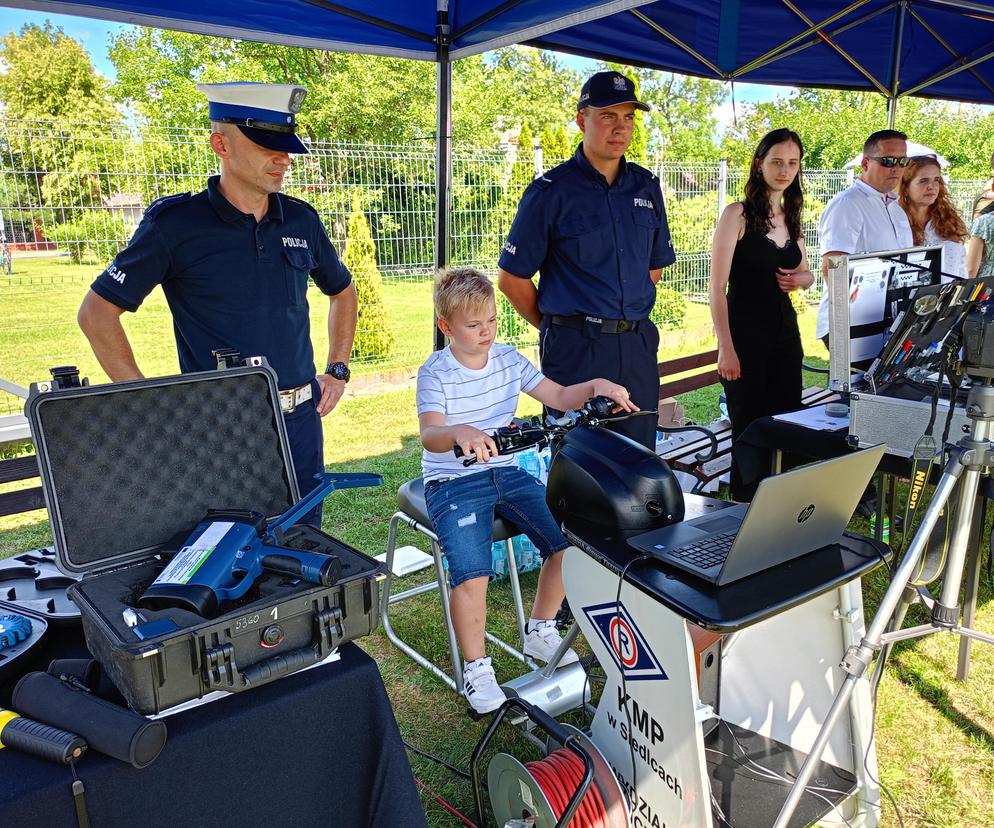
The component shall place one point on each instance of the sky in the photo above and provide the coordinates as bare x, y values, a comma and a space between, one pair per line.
95, 34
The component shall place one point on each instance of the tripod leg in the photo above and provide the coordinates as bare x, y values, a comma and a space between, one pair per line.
907, 599
972, 587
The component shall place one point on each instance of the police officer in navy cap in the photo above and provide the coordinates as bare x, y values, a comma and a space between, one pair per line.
234, 262
595, 230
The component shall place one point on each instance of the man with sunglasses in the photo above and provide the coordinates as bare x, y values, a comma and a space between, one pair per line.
866, 217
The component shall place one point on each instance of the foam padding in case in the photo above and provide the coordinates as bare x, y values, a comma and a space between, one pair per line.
131, 466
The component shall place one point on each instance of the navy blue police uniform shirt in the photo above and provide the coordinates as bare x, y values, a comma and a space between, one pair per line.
230, 282
593, 244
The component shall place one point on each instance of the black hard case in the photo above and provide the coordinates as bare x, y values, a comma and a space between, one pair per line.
128, 469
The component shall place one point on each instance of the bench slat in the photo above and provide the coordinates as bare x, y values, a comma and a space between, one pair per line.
687, 363
11, 503
19, 468
681, 386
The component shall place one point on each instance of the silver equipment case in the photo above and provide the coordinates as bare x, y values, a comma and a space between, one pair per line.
899, 424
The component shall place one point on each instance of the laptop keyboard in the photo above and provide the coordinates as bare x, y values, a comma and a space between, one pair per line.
706, 553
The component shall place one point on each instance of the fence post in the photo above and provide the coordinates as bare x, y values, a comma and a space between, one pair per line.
722, 185
537, 158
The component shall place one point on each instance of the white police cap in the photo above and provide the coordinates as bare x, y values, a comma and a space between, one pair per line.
264, 112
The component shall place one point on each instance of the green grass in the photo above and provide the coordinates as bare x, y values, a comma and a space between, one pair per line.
934, 735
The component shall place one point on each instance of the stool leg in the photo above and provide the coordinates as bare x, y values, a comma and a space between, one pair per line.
391, 634
512, 576
443, 592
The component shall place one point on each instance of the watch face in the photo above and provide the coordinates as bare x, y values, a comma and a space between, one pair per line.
340, 371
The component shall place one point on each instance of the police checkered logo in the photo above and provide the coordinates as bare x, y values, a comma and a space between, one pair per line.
625, 643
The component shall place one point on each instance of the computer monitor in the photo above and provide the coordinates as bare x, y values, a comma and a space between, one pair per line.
866, 293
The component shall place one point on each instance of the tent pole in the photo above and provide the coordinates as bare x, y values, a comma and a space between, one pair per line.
443, 149
895, 64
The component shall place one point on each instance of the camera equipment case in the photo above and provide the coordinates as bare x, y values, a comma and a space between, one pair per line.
128, 470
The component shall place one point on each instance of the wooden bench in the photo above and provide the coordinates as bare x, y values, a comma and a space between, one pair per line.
22, 500
703, 457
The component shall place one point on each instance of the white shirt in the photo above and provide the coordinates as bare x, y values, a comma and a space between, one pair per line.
953, 253
484, 397
860, 220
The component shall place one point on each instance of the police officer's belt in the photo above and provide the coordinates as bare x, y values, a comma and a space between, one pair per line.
607, 326
292, 397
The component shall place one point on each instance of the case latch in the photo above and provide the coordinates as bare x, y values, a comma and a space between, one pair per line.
219, 666
330, 631
226, 357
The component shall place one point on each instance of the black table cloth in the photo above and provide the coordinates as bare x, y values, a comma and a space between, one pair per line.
319, 747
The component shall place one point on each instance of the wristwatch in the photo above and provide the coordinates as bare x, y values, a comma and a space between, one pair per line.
339, 371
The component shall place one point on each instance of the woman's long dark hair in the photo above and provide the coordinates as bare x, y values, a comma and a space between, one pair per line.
756, 204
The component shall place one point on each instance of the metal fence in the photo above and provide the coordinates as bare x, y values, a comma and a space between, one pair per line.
71, 197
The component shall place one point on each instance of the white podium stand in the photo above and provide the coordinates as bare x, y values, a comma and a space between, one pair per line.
785, 633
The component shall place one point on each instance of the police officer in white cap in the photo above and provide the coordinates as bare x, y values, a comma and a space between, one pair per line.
234, 262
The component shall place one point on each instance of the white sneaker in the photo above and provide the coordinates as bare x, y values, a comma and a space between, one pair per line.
542, 643
481, 688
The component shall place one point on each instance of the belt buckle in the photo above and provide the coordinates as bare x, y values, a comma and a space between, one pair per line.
625, 325
291, 397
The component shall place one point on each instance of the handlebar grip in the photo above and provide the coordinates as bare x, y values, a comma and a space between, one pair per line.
458, 452
279, 665
42, 740
315, 568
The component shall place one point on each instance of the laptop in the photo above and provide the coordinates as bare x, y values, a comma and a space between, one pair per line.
792, 514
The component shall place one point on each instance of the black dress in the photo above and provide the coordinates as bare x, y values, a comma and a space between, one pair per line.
764, 331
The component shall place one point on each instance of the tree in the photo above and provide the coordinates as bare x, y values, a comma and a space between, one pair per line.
374, 337
350, 97
833, 125
49, 76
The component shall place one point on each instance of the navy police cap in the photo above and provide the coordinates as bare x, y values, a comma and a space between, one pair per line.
608, 89
264, 112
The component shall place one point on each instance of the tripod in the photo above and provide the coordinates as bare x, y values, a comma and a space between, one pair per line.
971, 459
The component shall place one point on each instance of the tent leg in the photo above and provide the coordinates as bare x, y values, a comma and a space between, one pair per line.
443, 154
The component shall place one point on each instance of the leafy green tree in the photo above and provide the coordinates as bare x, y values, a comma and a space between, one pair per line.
374, 337
526, 143
563, 146
49, 76
833, 125
551, 152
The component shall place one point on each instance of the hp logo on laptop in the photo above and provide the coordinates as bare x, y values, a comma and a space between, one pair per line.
806, 512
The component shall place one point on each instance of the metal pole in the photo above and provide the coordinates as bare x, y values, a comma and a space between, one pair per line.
443, 148
722, 185
895, 64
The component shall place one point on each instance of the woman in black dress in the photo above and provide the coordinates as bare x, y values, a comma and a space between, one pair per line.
758, 255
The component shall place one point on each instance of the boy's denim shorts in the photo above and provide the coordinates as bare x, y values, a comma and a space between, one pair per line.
462, 514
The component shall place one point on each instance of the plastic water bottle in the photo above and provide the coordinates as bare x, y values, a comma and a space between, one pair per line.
530, 462
545, 455
498, 559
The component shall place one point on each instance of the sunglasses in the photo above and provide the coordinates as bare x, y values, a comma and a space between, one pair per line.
889, 161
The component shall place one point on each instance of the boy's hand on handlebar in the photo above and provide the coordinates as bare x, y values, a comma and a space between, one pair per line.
618, 393
472, 441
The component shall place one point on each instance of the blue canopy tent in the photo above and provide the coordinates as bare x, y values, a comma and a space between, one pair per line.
937, 48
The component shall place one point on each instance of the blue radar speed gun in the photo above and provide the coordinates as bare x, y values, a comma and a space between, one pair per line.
229, 550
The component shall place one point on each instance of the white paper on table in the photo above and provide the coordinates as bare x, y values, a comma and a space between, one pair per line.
814, 418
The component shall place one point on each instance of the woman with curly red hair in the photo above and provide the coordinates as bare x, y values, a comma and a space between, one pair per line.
934, 219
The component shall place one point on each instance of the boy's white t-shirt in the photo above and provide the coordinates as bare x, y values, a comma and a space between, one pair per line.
485, 398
